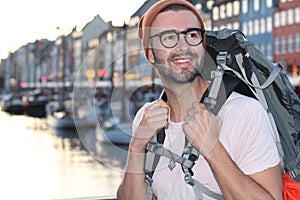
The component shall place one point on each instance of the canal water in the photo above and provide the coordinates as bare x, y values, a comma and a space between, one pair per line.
38, 163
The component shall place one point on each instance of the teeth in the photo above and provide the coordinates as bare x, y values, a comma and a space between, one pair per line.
182, 61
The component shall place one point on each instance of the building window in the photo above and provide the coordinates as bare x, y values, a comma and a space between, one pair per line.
236, 25
262, 25
277, 45
229, 26
290, 44
222, 11
297, 15
269, 24
245, 28
262, 48
297, 42
236, 8
250, 28
283, 45
256, 5
216, 13
229, 9
269, 51
208, 25
269, 3
256, 27
215, 28
283, 18
290, 16
245, 6
222, 26
277, 19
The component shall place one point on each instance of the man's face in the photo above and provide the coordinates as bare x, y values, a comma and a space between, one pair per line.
176, 43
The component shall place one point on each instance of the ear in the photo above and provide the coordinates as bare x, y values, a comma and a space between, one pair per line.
150, 55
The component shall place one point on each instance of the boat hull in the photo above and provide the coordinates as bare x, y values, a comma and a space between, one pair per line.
119, 134
64, 119
36, 109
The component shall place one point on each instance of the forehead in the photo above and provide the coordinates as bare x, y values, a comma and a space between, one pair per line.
178, 20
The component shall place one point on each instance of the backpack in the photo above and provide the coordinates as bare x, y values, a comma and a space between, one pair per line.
235, 64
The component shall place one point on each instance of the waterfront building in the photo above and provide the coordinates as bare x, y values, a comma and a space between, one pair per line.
287, 35
256, 19
226, 14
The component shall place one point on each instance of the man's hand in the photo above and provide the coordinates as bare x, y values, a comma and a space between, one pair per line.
202, 128
154, 118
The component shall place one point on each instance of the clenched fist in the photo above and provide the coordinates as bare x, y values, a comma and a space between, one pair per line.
154, 118
202, 128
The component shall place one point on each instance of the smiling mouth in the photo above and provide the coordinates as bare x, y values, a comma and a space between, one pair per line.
182, 60
183, 64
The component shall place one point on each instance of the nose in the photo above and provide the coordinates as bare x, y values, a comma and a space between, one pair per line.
182, 44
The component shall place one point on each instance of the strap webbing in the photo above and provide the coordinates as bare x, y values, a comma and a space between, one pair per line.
160, 150
149, 165
149, 192
217, 76
200, 189
275, 72
295, 172
258, 91
186, 164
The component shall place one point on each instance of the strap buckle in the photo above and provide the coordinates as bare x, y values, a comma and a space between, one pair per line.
188, 179
221, 58
148, 180
154, 146
295, 172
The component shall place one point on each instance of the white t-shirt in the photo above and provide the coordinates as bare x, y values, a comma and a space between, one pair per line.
246, 134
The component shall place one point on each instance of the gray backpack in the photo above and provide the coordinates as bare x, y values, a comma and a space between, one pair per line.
238, 66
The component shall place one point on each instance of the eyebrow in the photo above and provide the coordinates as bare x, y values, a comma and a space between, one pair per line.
165, 31
175, 31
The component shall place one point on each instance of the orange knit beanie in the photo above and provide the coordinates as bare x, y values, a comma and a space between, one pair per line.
147, 19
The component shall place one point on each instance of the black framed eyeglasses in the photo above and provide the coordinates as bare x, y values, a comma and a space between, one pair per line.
170, 38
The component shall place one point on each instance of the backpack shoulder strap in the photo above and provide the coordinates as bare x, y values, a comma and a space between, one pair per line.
222, 85
151, 159
187, 160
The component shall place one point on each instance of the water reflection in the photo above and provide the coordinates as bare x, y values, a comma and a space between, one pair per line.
38, 163
108, 154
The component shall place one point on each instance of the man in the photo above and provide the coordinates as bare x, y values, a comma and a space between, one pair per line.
239, 157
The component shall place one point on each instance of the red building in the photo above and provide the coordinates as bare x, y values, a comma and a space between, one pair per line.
287, 35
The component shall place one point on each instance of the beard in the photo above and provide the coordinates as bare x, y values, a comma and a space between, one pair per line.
169, 74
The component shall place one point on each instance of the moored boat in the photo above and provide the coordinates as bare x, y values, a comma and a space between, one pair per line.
12, 105
60, 116
35, 104
119, 134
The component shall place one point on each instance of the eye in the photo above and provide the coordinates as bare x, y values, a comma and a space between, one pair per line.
167, 37
193, 34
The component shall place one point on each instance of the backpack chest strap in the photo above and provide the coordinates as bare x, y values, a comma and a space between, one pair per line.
160, 150
187, 161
